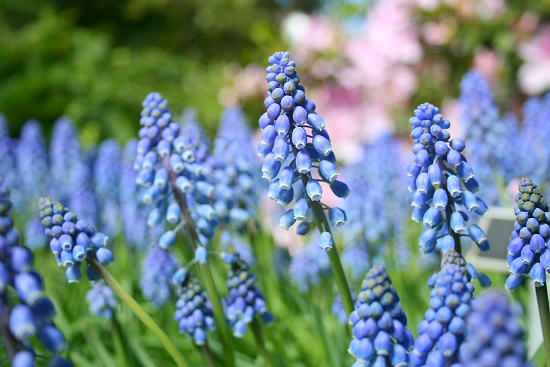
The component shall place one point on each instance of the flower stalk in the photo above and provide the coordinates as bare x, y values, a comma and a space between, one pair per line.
544, 313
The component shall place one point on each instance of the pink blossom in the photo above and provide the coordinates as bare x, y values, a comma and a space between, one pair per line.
488, 63
534, 74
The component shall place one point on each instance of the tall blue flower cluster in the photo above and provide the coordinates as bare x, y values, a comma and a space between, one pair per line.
32, 163
237, 192
296, 148
133, 213
102, 300
493, 336
193, 308
9, 165
441, 178
527, 251
157, 270
107, 174
375, 220
164, 146
245, 299
307, 266
33, 314
442, 331
380, 336
488, 134
72, 239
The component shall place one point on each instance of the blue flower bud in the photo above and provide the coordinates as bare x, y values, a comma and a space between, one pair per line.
340, 189
322, 145
538, 275
301, 208
21, 322
303, 161
326, 242
104, 256
316, 121
328, 171
286, 178
282, 125
453, 186
337, 217
478, 236
268, 136
23, 358
472, 185
423, 183
79, 253
287, 219
513, 281
303, 228
432, 217
314, 190
52, 339
465, 171
280, 149
469, 200
201, 255
434, 174
440, 199
270, 166
167, 240
300, 115
427, 240
99, 239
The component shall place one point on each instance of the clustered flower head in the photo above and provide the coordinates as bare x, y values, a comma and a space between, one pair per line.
453, 257
374, 210
157, 270
292, 154
102, 300
193, 308
164, 146
73, 240
245, 299
236, 190
527, 251
440, 177
442, 330
33, 315
493, 336
379, 324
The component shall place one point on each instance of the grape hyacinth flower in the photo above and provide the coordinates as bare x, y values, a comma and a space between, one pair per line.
237, 193
374, 209
493, 336
441, 179
245, 299
442, 331
73, 240
235, 243
27, 311
107, 176
157, 271
133, 213
527, 251
32, 162
102, 300
298, 157
380, 336
193, 308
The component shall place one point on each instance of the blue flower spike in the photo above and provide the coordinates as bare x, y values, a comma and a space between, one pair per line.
193, 309
379, 324
493, 334
528, 253
441, 178
245, 299
28, 312
71, 238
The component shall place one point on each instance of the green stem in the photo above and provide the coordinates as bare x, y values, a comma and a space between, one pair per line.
139, 312
121, 345
544, 312
210, 285
208, 355
256, 329
323, 225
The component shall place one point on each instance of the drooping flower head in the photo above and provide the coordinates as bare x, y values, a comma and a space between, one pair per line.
73, 240
30, 312
379, 324
102, 300
493, 336
193, 308
237, 192
296, 149
442, 330
245, 299
441, 179
527, 251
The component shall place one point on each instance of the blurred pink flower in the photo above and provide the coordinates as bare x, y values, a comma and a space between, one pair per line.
534, 74
309, 34
488, 63
437, 34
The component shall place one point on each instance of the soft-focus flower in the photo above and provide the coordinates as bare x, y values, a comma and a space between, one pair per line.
157, 270
534, 74
102, 300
